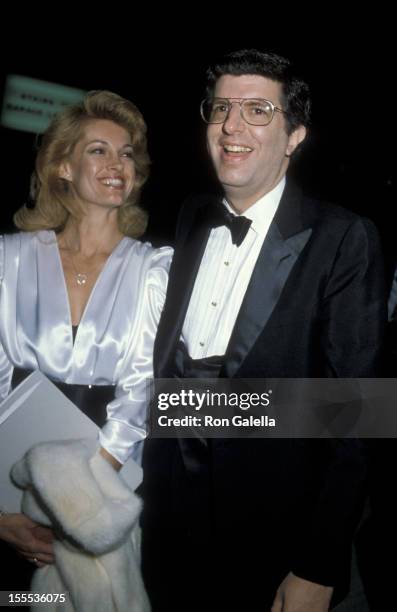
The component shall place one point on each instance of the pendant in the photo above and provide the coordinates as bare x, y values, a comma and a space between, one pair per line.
81, 279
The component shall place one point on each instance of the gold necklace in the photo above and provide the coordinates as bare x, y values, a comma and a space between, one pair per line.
80, 277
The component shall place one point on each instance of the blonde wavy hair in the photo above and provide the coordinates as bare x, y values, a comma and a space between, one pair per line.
54, 202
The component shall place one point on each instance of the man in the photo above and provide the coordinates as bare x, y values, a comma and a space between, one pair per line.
254, 524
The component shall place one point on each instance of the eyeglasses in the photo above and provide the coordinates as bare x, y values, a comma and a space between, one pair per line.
255, 111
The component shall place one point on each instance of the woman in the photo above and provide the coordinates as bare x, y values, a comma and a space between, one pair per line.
80, 297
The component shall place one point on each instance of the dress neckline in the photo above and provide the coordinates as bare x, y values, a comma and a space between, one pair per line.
74, 331
99, 280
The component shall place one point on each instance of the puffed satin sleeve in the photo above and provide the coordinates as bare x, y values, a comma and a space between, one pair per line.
6, 367
127, 413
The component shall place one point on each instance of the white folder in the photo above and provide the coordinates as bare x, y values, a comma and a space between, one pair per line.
37, 411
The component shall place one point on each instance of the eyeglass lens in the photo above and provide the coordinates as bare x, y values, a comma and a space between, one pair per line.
253, 111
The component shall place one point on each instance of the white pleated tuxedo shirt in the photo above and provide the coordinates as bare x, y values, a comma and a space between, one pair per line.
223, 278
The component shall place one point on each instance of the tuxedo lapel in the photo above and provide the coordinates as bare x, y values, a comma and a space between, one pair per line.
182, 277
286, 238
270, 274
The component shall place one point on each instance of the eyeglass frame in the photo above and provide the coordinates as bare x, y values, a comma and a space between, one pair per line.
240, 101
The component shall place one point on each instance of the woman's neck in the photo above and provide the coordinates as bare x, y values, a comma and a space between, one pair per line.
90, 236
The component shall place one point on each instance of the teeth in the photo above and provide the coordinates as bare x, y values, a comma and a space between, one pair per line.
236, 149
113, 182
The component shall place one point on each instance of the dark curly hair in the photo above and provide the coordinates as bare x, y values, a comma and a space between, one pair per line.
295, 96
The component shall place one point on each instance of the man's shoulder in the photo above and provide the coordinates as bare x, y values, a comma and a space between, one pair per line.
191, 209
328, 210
337, 229
325, 213
312, 211
196, 201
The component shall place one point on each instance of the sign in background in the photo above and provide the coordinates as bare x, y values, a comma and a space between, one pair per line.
30, 104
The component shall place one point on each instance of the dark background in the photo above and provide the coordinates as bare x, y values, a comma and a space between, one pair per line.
348, 62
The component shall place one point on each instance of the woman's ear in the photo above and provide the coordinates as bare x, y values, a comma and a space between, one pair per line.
64, 171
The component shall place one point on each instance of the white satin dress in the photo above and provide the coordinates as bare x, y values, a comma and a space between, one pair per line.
114, 341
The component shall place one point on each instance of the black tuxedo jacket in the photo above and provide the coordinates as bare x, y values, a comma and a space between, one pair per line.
315, 307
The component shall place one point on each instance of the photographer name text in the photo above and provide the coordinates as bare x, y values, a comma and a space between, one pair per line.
210, 421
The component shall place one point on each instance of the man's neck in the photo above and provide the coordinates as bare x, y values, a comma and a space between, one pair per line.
241, 204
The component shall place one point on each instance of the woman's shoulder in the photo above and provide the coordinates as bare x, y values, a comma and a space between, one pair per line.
154, 257
149, 264
10, 244
10, 238
17, 239
21, 245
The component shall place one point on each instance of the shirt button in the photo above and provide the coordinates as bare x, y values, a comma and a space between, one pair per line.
201, 343
214, 303
226, 263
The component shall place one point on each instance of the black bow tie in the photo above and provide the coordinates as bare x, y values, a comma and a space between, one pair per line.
238, 225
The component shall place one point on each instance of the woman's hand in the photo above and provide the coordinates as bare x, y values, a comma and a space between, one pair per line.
110, 459
32, 541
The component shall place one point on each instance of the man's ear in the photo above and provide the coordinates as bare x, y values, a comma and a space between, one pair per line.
64, 171
294, 139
